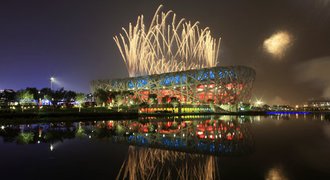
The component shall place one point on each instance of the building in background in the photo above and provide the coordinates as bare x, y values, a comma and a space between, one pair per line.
318, 104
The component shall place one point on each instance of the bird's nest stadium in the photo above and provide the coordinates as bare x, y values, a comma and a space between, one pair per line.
178, 63
221, 86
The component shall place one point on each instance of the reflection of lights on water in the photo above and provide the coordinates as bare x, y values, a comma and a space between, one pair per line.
326, 130
275, 173
51, 147
145, 163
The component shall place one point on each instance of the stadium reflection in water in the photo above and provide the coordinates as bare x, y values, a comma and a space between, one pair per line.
193, 144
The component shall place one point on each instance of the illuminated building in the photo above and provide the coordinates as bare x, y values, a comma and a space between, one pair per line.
319, 104
223, 87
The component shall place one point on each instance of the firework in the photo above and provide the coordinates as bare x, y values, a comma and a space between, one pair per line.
278, 43
168, 45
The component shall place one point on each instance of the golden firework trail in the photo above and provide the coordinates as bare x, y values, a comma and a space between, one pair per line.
168, 45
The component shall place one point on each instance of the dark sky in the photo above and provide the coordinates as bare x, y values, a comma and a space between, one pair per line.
72, 40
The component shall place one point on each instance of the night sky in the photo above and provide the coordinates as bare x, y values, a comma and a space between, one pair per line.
73, 41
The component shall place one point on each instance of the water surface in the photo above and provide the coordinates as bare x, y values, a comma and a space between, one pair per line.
192, 147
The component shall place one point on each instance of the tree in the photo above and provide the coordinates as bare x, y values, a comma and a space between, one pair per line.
46, 93
69, 96
80, 99
175, 102
34, 91
101, 96
119, 100
24, 97
8, 95
153, 98
143, 105
165, 99
58, 95
211, 104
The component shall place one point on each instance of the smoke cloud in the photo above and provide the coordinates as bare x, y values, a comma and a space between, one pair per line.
278, 101
316, 71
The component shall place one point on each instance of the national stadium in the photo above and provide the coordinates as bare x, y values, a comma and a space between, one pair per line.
175, 62
222, 86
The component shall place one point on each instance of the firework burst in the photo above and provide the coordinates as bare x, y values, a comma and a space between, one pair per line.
168, 45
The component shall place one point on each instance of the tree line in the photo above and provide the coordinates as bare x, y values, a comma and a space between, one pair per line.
31, 95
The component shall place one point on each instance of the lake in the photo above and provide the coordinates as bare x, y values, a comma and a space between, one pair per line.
287, 146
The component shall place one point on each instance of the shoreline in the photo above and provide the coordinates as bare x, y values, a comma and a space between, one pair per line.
60, 116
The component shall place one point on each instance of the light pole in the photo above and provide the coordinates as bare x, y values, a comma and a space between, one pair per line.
52, 79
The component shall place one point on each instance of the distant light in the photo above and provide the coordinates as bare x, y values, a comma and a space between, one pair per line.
259, 102
51, 147
275, 173
2, 127
277, 43
52, 79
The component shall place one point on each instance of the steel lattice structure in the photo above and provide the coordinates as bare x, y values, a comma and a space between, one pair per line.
221, 85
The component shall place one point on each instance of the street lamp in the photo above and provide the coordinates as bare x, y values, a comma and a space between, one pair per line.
52, 79
259, 103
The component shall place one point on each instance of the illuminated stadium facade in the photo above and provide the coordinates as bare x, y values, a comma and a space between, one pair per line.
218, 85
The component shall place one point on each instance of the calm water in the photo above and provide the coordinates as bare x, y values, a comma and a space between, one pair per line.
218, 147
